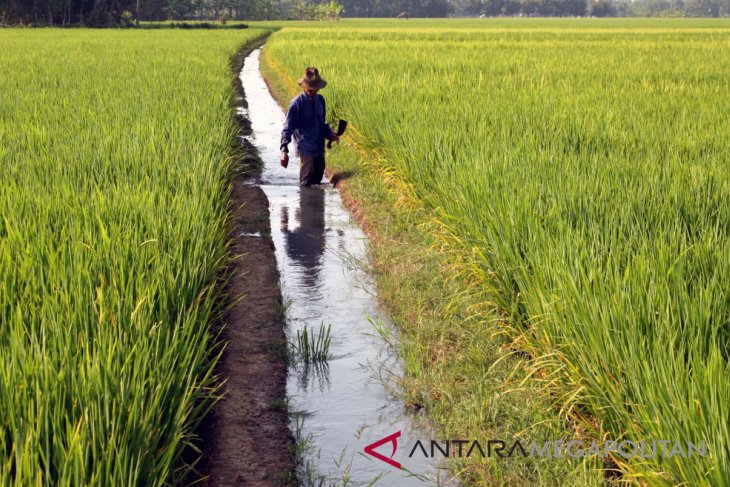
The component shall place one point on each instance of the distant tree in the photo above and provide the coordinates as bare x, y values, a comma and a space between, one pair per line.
494, 8
703, 8
603, 8
437, 8
109, 12
328, 11
178, 9
152, 10
472, 7
573, 8
510, 7
391, 8
302, 10
106, 12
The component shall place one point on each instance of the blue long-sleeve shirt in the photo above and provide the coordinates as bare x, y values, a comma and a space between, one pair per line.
305, 123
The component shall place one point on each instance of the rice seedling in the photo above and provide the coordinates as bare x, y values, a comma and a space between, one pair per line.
115, 156
313, 348
579, 173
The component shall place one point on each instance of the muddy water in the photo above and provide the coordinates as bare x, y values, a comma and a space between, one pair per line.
348, 403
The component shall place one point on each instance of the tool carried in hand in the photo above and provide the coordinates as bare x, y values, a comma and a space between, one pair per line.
340, 130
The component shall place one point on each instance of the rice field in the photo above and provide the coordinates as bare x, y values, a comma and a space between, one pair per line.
115, 149
579, 172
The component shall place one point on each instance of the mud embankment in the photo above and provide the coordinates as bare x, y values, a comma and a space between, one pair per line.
246, 440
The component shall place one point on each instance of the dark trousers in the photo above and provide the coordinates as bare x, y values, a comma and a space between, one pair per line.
311, 169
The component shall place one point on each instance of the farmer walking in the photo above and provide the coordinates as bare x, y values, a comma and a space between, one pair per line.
305, 123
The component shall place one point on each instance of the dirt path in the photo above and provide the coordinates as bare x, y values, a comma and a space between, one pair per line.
248, 441
246, 438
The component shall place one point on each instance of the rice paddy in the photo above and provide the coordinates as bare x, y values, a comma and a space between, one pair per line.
575, 173
115, 148
578, 173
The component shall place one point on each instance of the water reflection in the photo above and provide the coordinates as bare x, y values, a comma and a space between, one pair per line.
305, 244
314, 376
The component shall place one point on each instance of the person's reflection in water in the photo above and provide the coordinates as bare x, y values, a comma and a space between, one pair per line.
305, 245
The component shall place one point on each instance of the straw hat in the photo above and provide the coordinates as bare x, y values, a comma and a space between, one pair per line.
312, 80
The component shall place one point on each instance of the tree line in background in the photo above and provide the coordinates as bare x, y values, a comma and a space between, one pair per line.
126, 12
598, 8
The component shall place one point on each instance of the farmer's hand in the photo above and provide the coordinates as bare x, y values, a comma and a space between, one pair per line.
284, 159
335, 138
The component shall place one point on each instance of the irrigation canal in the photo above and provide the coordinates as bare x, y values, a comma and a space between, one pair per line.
346, 404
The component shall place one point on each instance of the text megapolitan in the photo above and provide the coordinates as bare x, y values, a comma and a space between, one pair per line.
558, 449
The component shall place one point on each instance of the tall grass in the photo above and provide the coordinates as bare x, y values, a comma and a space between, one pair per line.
114, 149
582, 177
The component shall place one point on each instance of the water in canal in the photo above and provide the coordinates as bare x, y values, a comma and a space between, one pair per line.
347, 404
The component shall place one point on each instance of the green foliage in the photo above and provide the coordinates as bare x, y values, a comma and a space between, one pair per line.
329, 10
127, 19
312, 348
115, 150
101, 13
579, 175
679, 8
602, 8
304, 10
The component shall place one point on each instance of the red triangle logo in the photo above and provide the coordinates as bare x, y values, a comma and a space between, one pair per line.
393, 439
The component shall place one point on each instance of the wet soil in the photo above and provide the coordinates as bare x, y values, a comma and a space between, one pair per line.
247, 440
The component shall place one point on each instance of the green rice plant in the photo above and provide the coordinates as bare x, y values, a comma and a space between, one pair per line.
311, 348
577, 173
115, 171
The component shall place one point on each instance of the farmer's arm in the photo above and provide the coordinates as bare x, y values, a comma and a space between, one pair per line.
328, 132
289, 126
